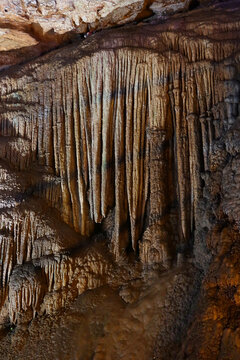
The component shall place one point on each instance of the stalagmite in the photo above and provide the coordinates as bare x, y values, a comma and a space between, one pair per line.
158, 234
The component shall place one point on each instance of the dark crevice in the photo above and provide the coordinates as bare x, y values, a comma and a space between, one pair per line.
194, 4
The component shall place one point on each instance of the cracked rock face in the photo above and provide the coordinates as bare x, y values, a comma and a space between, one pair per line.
59, 17
119, 192
39, 25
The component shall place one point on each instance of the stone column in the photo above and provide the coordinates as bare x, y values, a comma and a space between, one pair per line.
154, 248
158, 173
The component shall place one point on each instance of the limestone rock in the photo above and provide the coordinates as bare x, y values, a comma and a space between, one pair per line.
49, 18
119, 168
61, 17
36, 26
162, 8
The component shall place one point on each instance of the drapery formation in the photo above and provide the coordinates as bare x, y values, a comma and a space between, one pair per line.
115, 130
121, 137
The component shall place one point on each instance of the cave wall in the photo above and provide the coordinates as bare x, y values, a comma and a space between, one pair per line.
132, 137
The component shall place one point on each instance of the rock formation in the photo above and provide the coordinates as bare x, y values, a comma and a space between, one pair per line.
30, 28
119, 168
55, 18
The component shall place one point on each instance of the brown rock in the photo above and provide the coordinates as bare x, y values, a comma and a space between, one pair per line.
37, 26
119, 169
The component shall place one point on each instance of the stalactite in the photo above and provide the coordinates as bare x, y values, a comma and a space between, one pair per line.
204, 129
121, 235
121, 133
182, 174
195, 161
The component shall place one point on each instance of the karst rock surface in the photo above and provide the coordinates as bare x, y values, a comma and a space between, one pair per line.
49, 17
120, 189
29, 28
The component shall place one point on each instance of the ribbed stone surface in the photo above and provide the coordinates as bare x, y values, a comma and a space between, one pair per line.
119, 169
